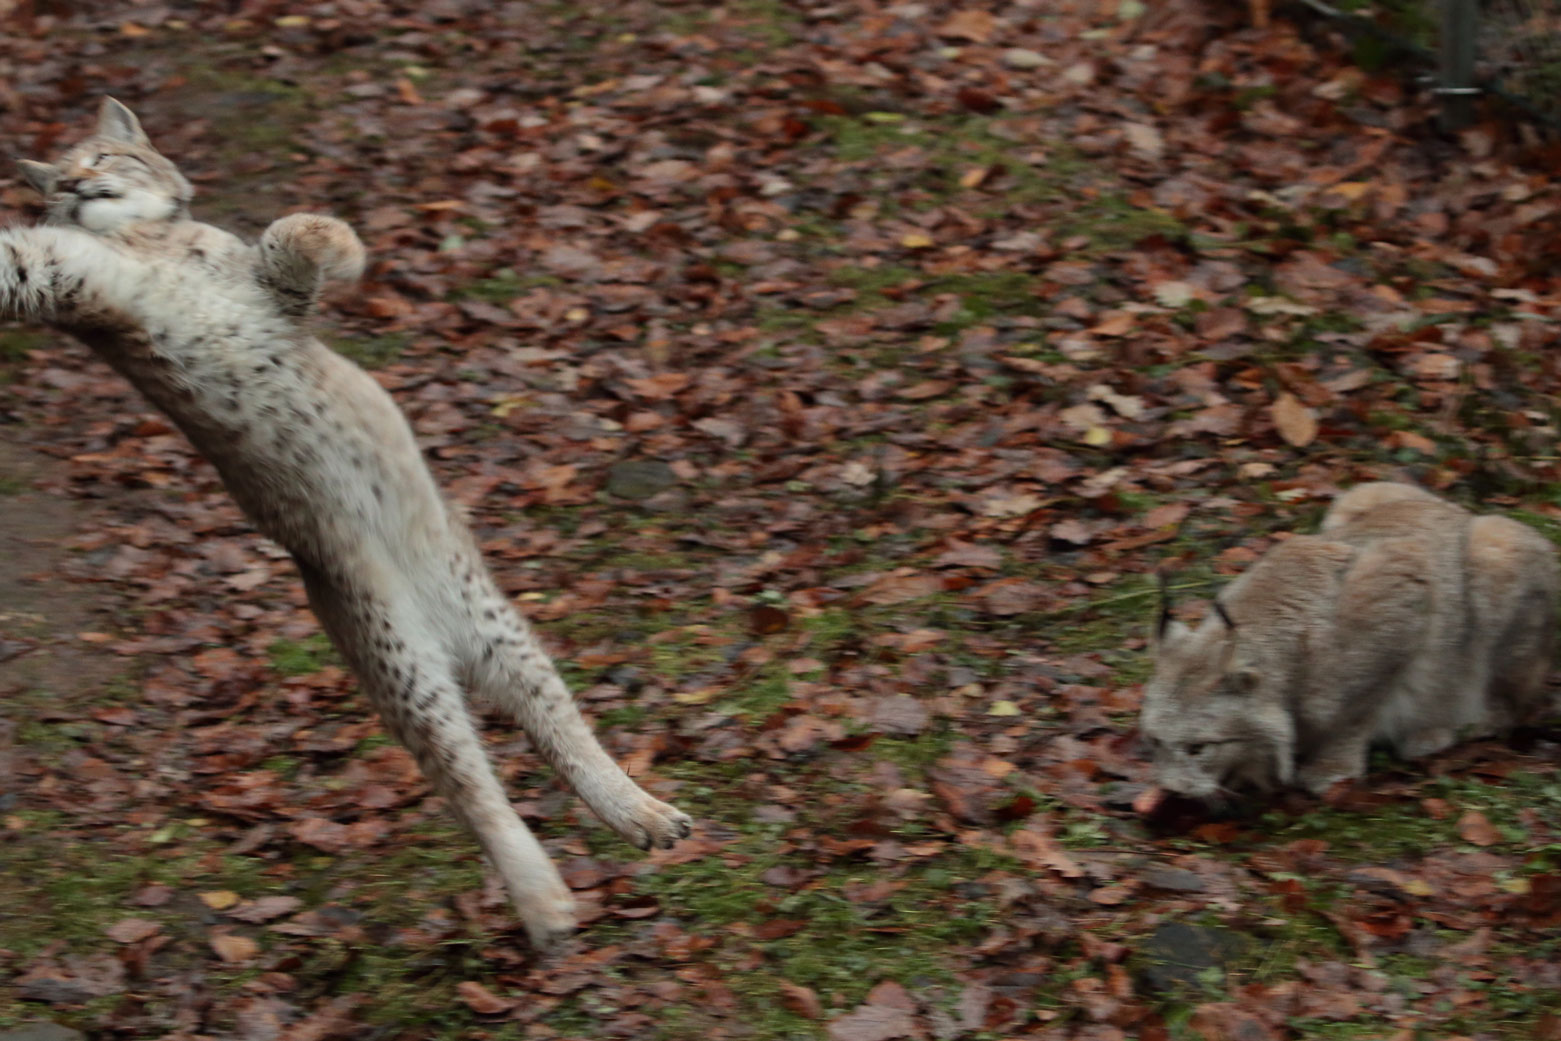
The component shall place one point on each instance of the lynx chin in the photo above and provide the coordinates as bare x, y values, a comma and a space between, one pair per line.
1406, 621
321, 459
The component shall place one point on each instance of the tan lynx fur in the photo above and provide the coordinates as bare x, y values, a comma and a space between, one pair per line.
1406, 621
322, 460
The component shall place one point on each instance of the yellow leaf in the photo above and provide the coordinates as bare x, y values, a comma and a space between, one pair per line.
508, 403
973, 177
219, 899
916, 240
1097, 436
1418, 887
1351, 190
695, 697
292, 21
1518, 886
1296, 423
1003, 708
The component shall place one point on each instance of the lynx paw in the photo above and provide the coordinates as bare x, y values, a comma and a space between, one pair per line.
549, 920
652, 824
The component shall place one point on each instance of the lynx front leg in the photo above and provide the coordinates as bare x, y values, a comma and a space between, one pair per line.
50, 274
1341, 759
516, 674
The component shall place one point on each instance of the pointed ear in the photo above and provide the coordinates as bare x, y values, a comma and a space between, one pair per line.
40, 175
118, 123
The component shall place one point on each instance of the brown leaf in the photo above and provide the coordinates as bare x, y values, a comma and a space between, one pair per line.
970, 23
1296, 423
1475, 828
481, 1000
970, 554
901, 715
266, 908
873, 1023
132, 930
800, 1000
233, 948
1072, 530
766, 619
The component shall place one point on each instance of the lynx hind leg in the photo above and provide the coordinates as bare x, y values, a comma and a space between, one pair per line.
408, 679
511, 670
1513, 580
300, 252
1363, 498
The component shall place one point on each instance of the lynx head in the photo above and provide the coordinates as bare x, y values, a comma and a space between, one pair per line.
1202, 715
111, 179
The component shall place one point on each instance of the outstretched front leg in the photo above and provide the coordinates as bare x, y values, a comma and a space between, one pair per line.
62, 275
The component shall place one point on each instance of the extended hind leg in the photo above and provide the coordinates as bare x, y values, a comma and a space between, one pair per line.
425, 710
514, 672
411, 683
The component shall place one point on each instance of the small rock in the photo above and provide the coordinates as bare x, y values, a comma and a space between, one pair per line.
44, 1031
1177, 954
1174, 880
640, 479
1020, 58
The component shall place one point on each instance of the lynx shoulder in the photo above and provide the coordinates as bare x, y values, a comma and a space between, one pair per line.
1406, 621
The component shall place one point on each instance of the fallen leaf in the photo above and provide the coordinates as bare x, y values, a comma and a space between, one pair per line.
132, 930
481, 1000
970, 23
1296, 423
1476, 829
232, 948
873, 1023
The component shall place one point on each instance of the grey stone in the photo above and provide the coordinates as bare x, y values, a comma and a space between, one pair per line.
639, 479
43, 1031
1174, 880
1177, 955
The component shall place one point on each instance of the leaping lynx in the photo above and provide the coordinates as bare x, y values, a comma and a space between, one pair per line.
322, 460
1406, 620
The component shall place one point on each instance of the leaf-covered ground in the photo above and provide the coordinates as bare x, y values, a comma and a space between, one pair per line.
826, 379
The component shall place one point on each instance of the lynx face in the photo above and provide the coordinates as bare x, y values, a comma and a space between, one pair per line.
1196, 713
111, 179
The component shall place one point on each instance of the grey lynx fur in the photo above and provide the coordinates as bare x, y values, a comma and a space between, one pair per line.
1406, 621
322, 460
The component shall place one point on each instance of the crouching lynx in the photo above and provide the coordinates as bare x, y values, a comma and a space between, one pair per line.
1406, 621
321, 459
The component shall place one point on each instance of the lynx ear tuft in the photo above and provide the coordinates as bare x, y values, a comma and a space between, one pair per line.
118, 123
40, 175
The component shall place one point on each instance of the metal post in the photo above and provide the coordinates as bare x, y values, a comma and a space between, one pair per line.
1460, 22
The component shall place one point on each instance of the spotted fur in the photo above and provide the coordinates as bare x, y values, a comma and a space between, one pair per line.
322, 460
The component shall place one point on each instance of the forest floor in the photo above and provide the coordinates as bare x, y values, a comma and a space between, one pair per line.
827, 380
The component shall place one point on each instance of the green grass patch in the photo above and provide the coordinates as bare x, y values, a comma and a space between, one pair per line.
372, 352
301, 657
